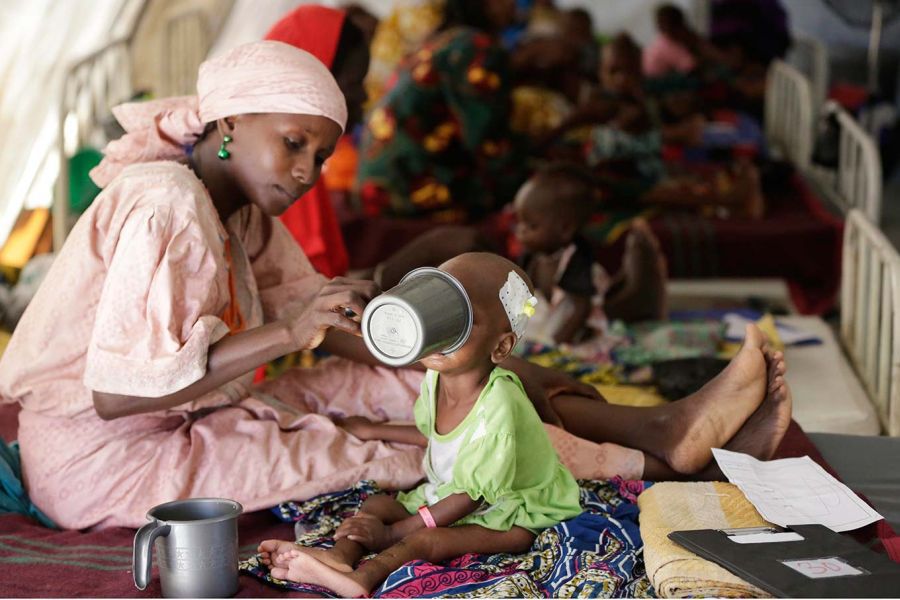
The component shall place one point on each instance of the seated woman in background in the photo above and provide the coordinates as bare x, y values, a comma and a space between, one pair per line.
341, 45
439, 142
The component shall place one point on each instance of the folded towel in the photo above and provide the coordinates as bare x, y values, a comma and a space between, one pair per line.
679, 573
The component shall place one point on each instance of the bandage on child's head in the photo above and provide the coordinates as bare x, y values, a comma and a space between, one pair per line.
518, 302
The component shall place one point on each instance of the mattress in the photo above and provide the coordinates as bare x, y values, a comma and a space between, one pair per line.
828, 396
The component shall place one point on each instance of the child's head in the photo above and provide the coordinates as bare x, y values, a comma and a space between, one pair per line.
493, 336
552, 206
670, 20
578, 25
620, 65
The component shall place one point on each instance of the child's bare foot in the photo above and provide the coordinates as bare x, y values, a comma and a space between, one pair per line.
271, 550
332, 557
278, 553
304, 568
640, 289
712, 416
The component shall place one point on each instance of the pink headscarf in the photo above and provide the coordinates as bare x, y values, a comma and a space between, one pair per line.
259, 77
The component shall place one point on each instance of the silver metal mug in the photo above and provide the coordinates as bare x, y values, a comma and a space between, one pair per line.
196, 548
429, 311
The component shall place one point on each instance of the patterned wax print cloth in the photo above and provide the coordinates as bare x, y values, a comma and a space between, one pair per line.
439, 142
598, 554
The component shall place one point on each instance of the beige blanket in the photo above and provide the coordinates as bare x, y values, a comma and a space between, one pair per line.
679, 573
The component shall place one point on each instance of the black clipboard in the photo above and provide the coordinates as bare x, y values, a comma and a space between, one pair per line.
821, 565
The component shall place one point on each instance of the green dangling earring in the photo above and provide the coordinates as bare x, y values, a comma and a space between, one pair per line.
223, 153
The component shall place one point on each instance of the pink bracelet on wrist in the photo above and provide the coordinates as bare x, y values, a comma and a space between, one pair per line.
426, 516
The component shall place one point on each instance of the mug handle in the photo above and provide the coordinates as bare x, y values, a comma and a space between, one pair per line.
143, 548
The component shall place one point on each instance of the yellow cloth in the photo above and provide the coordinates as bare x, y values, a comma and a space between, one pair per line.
767, 325
536, 110
679, 573
400, 33
22, 241
630, 395
4, 340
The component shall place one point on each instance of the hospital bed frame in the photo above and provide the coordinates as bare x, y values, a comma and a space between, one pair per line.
789, 114
810, 57
857, 182
870, 283
870, 314
788, 127
99, 81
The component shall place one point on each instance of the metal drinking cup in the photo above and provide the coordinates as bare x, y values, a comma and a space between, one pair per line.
428, 311
196, 548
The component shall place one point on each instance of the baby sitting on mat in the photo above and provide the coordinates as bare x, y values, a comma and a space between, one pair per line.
493, 478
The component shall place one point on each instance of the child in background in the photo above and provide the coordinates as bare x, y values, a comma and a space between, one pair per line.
622, 141
673, 49
493, 478
624, 148
575, 293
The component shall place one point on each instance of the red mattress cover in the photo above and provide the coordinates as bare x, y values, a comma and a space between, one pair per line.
41, 562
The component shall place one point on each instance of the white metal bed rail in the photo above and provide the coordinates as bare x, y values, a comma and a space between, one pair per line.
859, 168
856, 182
810, 57
103, 79
870, 314
92, 86
188, 38
789, 114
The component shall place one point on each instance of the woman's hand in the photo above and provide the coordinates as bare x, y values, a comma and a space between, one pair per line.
366, 529
339, 305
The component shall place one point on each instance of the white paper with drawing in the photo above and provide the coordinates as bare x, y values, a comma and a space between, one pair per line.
795, 491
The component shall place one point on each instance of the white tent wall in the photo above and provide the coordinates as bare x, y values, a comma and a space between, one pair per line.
38, 40
250, 19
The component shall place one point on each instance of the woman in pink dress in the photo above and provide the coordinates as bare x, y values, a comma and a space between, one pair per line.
132, 364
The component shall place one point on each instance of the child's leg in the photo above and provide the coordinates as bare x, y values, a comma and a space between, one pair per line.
639, 288
345, 553
433, 545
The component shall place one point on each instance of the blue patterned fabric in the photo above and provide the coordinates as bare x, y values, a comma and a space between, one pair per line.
13, 497
597, 554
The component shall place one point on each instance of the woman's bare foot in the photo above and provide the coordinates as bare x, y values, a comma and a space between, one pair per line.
764, 430
710, 417
639, 291
304, 568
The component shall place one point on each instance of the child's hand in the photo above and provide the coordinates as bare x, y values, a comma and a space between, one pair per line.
361, 427
366, 529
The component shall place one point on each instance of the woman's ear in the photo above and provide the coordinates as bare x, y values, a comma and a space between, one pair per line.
504, 347
225, 126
